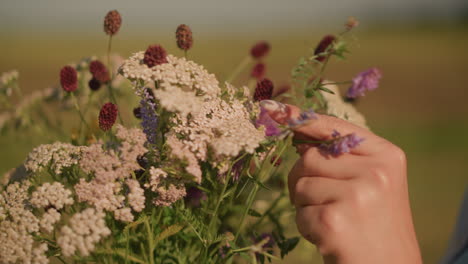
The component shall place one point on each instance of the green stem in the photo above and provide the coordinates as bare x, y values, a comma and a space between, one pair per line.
268, 211
241, 249
338, 83
77, 107
250, 199
150, 241
253, 193
111, 73
301, 141
221, 197
246, 61
127, 245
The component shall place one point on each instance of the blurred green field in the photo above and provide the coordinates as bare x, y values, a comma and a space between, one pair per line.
420, 106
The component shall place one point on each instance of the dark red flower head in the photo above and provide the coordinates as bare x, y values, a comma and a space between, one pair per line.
323, 46
258, 71
184, 37
68, 78
264, 90
94, 84
99, 71
107, 116
112, 22
260, 49
155, 55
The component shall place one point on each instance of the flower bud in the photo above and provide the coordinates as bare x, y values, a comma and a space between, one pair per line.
107, 116
260, 50
184, 37
155, 55
99, 71
258, 71
351, 23
112, 22
324, 45
264, 90
69, 78
94, 84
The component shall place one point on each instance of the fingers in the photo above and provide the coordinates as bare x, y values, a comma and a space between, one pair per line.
318, 191
323, 127
314, 165
320, 225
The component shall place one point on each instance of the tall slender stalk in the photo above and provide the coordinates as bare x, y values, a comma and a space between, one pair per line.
111, 73
77, 107
244, 63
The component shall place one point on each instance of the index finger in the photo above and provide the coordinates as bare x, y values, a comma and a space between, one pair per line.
323, 127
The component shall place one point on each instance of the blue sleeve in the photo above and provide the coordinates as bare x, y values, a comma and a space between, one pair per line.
457, 252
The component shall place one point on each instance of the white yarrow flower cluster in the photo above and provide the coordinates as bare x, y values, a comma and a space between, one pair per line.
16, 225
84, 230
174, 99
136, 197
225, 128
177, 72
111, 168
169, 189
48, 219
54, 195
58, 155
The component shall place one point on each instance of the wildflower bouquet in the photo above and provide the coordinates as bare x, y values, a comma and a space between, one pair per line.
199, 179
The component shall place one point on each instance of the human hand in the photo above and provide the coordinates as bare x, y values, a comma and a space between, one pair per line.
353, 207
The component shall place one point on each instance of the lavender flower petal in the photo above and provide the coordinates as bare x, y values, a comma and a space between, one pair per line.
340, 144
365, 81
271, 127
303, 118
149, 118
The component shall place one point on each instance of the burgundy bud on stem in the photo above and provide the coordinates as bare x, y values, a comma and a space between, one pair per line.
69, 78
260, 50
107, 116
184, 37
155, 55
324, 45
112, 22
94, 84
99, 71
264, 90
258, 71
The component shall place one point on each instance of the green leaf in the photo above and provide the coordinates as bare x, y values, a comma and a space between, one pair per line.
323, 88
252, 212
309, 93
288, 245
170, 231
136, 223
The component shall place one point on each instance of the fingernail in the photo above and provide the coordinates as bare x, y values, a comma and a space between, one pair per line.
273, 106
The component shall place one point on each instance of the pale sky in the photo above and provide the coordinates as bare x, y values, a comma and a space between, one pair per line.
216, 14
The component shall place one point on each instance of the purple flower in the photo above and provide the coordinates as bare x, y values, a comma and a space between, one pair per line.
223, 250
268, 246
271, 127
303, 118
149, 118
365, 81
340, 144
195, 196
